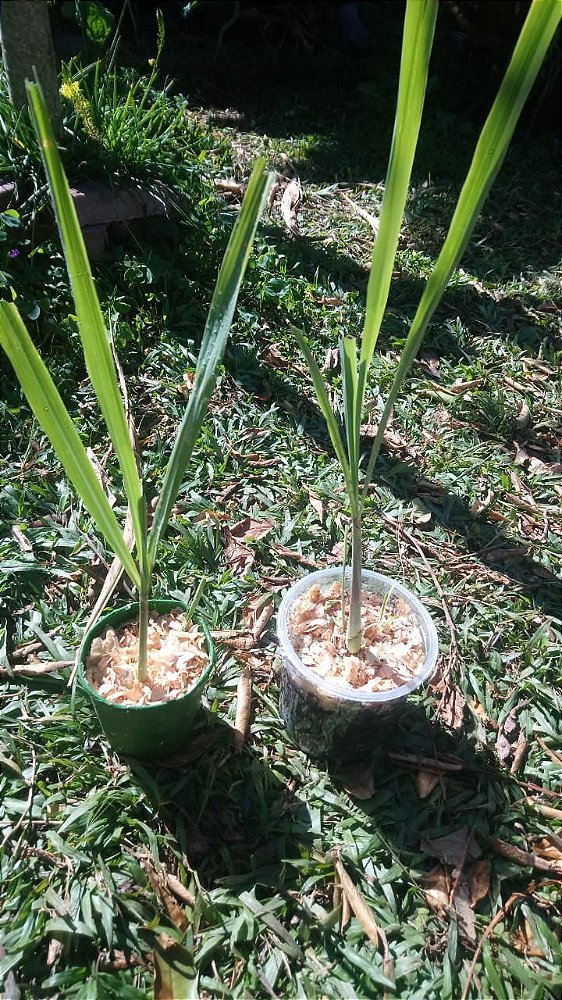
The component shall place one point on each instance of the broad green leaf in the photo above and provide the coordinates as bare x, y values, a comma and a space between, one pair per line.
324, 404
534, 40
95, 20
91, 325
214, 340
52, 415
175, 977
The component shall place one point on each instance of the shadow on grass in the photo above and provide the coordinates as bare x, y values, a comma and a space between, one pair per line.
240, 821
234, 816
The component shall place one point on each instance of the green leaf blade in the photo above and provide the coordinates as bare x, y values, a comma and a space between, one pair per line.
52, 415
215, 335
352, 407
419, 26
91, 325
324, 404
535, 38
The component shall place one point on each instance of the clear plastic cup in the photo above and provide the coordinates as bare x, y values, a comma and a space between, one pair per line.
326, 719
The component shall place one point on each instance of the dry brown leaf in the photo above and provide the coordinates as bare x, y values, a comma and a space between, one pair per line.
426, 781
272, 356
544, 848
215, 516
282, 550
520, 753
503, 747
450, 708
262, 621
249, 529
238, 556
158, 881
54, 951
357, 903
179, 890
358, 781
523, 417
437, 890
291, 198
524, 941
454, 848
535, 464
479, 506
459, 388
23, 542
465, 916
115, 960
548, 811
477, 879
446, 896
317, 506
229, 186
254, 458
328, 300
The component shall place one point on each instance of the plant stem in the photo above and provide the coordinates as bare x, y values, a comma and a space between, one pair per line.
344, 565
353, 637
142, 672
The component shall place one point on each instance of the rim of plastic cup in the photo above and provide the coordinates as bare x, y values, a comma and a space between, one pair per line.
385, 583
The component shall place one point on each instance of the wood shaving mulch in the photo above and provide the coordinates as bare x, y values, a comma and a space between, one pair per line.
176, 659
392, 651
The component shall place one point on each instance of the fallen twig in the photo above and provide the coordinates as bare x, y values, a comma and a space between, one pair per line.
361, 212
499, 916
523, 858
427, 763
243, 707
35, 669
548, 811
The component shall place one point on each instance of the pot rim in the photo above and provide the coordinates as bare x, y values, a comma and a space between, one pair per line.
162, 604
337, 691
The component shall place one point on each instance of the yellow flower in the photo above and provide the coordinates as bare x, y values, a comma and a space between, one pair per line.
71, 90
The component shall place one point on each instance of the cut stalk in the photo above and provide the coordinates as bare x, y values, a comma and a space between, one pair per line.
142, 663
353, 637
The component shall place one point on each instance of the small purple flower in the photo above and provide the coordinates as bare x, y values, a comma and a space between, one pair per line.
14, 253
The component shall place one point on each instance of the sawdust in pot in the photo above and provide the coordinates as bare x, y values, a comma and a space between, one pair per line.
176, 659
392, 651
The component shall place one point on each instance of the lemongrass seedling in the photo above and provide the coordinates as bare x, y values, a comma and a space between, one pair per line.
50, 411
536, 35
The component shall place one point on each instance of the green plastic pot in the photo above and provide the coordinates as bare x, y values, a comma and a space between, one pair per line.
144, 731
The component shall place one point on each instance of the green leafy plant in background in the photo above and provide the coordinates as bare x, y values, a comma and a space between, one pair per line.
50, 410
128, 123
530, 51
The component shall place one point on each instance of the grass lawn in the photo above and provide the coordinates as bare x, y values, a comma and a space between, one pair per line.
219, 873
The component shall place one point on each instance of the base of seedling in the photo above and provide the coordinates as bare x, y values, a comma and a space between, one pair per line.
154, 728
176, 660
328, 715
